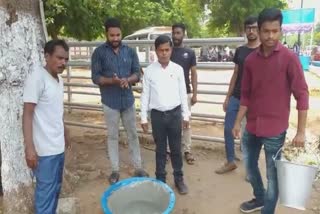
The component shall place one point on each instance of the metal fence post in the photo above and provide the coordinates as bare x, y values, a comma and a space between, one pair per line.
147, 54
68, 86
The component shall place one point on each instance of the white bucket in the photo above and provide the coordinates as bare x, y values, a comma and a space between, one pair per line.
295, 183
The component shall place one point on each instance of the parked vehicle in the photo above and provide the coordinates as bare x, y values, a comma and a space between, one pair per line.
149, 33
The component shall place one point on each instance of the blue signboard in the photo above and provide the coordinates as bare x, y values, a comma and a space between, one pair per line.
298, 16
298, 20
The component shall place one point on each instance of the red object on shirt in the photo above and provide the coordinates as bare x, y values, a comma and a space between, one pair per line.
266, 89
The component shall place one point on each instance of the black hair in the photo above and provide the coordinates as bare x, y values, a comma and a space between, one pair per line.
270, 15
162, 39
250, 20
111, 22
179, 25
50, 46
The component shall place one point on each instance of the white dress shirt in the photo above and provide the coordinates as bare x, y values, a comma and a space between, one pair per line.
163, 90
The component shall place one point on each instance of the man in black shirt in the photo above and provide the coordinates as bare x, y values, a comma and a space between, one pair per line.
232, 101
186, 58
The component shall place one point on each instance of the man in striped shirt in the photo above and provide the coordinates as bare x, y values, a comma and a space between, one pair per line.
115, 67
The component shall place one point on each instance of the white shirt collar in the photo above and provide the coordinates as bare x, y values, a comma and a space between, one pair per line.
159, 65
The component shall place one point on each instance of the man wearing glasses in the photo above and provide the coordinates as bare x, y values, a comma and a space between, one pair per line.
232, 102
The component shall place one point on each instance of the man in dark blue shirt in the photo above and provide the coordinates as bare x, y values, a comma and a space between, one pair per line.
186, 58
115, 67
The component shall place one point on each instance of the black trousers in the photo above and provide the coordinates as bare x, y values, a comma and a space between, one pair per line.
166, 127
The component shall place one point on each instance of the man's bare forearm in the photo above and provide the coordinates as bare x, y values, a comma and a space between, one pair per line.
27, 128
302, 120
194, 81
241, 113
66, 131
133, 78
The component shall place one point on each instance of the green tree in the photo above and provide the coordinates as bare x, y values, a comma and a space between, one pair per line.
81, 19
316, 36
137, 14
191, 15
230, 14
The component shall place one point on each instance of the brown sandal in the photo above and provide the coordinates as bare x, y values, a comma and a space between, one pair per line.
114, 177
189, 158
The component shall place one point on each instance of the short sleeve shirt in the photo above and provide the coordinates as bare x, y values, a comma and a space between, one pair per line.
239, 57
186, 58
46, 92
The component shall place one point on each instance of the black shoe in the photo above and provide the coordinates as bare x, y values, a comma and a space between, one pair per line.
140, 173
114, 177
161, 179
182, 187
251, 206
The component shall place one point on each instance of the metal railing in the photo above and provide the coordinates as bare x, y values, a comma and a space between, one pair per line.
203, 65
189, 42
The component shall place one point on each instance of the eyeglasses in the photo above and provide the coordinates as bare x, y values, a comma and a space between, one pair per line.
251, 28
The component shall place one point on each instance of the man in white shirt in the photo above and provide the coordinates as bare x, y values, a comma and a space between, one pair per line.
45, 136
164, 93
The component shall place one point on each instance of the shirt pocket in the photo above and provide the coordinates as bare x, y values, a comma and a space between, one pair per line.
108, 66
173, 78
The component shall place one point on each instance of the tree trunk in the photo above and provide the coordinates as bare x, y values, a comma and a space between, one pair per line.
54, 35
21, 42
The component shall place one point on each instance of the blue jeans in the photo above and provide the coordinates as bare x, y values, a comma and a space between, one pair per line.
271, 147
48, 183
231, 114
244, 148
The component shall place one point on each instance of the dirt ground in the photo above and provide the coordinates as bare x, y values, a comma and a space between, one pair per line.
87, 164
208, 192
